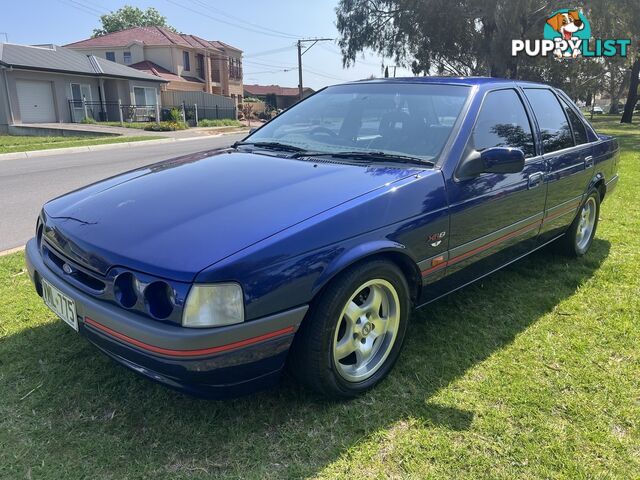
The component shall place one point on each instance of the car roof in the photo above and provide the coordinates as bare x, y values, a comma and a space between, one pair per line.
465, 81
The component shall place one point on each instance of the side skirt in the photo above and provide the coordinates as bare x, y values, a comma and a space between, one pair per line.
490, 272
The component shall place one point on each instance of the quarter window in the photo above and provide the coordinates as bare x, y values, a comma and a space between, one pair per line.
579, 130
503, 122
552, 121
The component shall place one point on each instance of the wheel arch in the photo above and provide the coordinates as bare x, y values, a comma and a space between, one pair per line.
385, 250
598, 183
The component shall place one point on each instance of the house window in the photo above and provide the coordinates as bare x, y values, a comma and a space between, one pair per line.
200, 66
127, 58
187, 64
80, 91
111, 56
145, 96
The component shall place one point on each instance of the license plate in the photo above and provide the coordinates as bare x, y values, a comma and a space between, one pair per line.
61, 305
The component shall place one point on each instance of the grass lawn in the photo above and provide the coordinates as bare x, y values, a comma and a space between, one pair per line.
533, 372
12, 144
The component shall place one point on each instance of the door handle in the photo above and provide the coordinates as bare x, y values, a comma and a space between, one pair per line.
535, 179
588, 161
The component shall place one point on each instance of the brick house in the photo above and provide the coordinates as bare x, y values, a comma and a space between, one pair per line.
187, 62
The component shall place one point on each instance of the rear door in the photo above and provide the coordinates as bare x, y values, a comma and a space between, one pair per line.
567, 154
495, 217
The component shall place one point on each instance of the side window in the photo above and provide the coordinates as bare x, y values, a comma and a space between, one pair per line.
552, 121
503, 122
579, 130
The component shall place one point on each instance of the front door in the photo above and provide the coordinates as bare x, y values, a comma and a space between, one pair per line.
495, 217
81, 92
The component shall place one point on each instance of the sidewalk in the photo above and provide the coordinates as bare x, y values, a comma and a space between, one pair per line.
169, 137
135, 132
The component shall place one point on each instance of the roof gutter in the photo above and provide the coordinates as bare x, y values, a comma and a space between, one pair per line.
87, 74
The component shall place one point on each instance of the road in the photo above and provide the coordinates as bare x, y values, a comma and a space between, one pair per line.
27, 183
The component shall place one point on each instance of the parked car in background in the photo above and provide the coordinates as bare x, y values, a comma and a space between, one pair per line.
597, 110
310, 242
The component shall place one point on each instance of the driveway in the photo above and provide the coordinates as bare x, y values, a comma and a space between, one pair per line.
27, 183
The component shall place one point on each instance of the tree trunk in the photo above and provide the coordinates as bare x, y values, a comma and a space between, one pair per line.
632, 96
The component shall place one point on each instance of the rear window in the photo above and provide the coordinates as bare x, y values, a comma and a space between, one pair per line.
553, 123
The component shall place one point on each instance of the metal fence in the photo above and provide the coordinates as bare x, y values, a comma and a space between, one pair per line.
117, 112
111, 112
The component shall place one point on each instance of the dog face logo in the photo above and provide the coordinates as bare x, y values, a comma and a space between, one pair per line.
567, 34
570, 26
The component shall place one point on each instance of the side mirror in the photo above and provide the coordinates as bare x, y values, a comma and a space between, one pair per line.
492, 160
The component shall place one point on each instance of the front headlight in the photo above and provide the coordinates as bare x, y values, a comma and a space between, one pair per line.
213, 306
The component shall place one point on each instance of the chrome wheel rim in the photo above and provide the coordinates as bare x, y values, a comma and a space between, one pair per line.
586, 223
366, 330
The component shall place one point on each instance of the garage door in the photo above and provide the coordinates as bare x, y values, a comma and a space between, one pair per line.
35, 100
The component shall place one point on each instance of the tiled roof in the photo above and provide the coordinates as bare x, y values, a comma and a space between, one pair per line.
149, 36
59, 59
155, 69
273, 90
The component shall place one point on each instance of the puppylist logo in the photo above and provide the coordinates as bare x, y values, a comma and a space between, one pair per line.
567, 34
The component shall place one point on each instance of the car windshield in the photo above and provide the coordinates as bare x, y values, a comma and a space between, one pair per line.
407, 119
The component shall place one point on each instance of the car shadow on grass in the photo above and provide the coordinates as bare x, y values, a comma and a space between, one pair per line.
88, 416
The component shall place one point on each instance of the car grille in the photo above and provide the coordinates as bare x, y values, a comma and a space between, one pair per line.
150, 296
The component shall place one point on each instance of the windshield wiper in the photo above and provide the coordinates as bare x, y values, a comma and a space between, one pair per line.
271, 146
359, 155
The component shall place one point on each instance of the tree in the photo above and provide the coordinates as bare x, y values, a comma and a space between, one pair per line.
129, 17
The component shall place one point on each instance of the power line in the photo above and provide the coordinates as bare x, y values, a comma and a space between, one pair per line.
209, 7
226, 22
269, 52
300, 43
80, 7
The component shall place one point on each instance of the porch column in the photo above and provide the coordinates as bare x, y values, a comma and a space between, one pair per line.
103, 101
207, 72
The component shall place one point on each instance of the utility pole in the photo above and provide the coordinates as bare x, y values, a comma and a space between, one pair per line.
300, 53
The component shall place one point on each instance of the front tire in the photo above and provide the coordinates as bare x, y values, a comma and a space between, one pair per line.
579, 237
354, 331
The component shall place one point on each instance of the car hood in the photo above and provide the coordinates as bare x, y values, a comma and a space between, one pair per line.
174, 218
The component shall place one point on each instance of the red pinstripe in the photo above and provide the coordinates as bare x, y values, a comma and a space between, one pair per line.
187, 353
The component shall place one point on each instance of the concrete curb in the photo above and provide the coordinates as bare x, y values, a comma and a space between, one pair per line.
12, 250
92, 148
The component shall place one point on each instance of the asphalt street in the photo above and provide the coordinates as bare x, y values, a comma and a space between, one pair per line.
27, 183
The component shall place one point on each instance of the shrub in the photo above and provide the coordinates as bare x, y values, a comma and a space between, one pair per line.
166, 126
88, 120
224, 122
175, 115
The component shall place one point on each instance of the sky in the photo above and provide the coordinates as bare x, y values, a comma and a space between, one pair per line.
266, 30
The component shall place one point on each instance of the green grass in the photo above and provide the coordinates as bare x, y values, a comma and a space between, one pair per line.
225, 122
138, 125
13, 144
531, 373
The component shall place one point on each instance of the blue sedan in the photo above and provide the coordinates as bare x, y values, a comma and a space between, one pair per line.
308, 244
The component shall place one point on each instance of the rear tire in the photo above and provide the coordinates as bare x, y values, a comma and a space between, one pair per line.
579, 237
354, 331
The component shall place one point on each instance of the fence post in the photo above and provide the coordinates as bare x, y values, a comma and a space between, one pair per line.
195, 106
84, 106
184, 114
120, 112
217, 116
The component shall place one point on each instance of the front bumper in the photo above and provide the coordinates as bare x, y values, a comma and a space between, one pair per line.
213, 362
